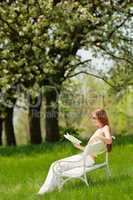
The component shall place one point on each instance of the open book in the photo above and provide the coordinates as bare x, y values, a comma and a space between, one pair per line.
72, 139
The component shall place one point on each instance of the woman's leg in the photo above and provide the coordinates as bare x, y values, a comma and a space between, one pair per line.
50, 182
90, 160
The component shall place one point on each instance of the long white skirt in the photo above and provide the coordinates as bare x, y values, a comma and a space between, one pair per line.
52, 180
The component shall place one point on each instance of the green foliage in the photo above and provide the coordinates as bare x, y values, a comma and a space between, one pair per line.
121, 112
121, 76
71, 102
39, 41
71, 130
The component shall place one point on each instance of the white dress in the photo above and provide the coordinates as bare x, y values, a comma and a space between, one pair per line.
52, 181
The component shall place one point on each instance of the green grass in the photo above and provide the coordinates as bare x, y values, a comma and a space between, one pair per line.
23, 169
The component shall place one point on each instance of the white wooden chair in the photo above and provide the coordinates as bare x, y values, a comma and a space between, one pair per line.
66, 170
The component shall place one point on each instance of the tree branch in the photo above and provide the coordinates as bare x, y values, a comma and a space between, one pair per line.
124, 38
73, 67
119, 26
83, 62
94, 75
109, 36
114, 56
10, 27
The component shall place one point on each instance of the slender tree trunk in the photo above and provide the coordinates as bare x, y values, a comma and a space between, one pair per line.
52, 116
1, 128
34, 120
9, 128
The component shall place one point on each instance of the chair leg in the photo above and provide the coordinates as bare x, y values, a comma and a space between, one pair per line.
60, 185
60, 188
62, 182
86, 180
108, 171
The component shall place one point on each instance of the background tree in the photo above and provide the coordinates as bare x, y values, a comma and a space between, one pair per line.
42, 40
7, 102
1, 129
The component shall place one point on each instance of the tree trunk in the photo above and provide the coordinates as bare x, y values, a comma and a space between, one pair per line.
9, 128
51, 116
34, 120
1, 128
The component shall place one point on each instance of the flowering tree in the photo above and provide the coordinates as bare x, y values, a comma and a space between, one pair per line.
40, 40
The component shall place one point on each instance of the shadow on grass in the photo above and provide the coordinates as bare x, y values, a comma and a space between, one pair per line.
26, 150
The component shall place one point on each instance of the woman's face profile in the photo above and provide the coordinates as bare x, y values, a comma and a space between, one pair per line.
96, 122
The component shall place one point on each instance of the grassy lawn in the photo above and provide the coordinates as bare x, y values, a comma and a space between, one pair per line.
23, 170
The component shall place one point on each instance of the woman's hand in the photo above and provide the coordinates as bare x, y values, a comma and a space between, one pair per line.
78, 146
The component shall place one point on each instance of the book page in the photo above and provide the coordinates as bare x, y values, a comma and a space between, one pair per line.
72, 138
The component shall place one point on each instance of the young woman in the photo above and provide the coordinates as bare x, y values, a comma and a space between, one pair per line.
103, 133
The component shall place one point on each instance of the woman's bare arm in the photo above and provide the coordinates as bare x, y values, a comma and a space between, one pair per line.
107, 138
78, 146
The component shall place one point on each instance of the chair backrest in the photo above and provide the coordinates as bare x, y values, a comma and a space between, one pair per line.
95, 149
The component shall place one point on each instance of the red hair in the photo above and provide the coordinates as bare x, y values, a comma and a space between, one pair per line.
101, 115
